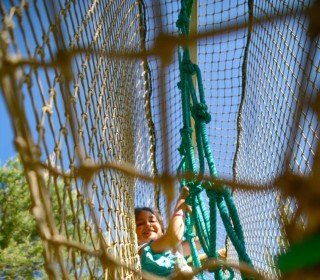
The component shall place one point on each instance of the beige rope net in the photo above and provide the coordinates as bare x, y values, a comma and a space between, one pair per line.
91, 91
73, 110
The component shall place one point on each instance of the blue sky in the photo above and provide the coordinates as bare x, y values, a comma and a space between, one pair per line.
7, 149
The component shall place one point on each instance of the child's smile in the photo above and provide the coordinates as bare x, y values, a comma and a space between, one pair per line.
148, 227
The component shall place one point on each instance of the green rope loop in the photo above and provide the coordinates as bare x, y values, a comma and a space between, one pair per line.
233, 213
186, 131
219, 199
201, 154
188, 67
212, 194
195, 189
200, 112
182, 21
181, 150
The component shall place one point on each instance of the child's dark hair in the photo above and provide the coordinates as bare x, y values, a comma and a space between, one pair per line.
138, 210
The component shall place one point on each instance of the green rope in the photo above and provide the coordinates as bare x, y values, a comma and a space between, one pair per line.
189, 236
192, 106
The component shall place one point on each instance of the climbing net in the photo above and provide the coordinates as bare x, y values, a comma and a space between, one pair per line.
74, 109
92, 93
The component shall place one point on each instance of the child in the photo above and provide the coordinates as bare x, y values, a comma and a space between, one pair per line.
158, 248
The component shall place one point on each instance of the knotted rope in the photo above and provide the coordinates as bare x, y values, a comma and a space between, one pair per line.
219, 198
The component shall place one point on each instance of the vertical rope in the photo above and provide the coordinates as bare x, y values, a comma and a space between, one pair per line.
148, 86
244, 87
206, 228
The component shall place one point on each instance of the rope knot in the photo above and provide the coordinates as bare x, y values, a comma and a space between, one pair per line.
185, 131
200, 112
194, 189
181, 150
188, 235
182, 21
211, 194
188, 67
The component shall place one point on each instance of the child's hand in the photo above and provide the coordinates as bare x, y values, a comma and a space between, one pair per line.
181, 203
184, 192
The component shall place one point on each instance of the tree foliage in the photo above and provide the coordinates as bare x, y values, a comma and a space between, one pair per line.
20, 246
21, 250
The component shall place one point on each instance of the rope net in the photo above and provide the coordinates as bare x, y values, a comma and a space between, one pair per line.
91, 88
78, 109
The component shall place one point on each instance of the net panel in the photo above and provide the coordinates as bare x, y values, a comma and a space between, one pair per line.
276, 82
82, 108
100, 112
252, 86
162, 17
221, 60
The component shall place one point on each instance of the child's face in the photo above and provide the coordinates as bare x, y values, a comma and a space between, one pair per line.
148, 227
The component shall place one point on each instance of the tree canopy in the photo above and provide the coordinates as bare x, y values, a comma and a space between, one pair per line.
21, 250
20, 246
